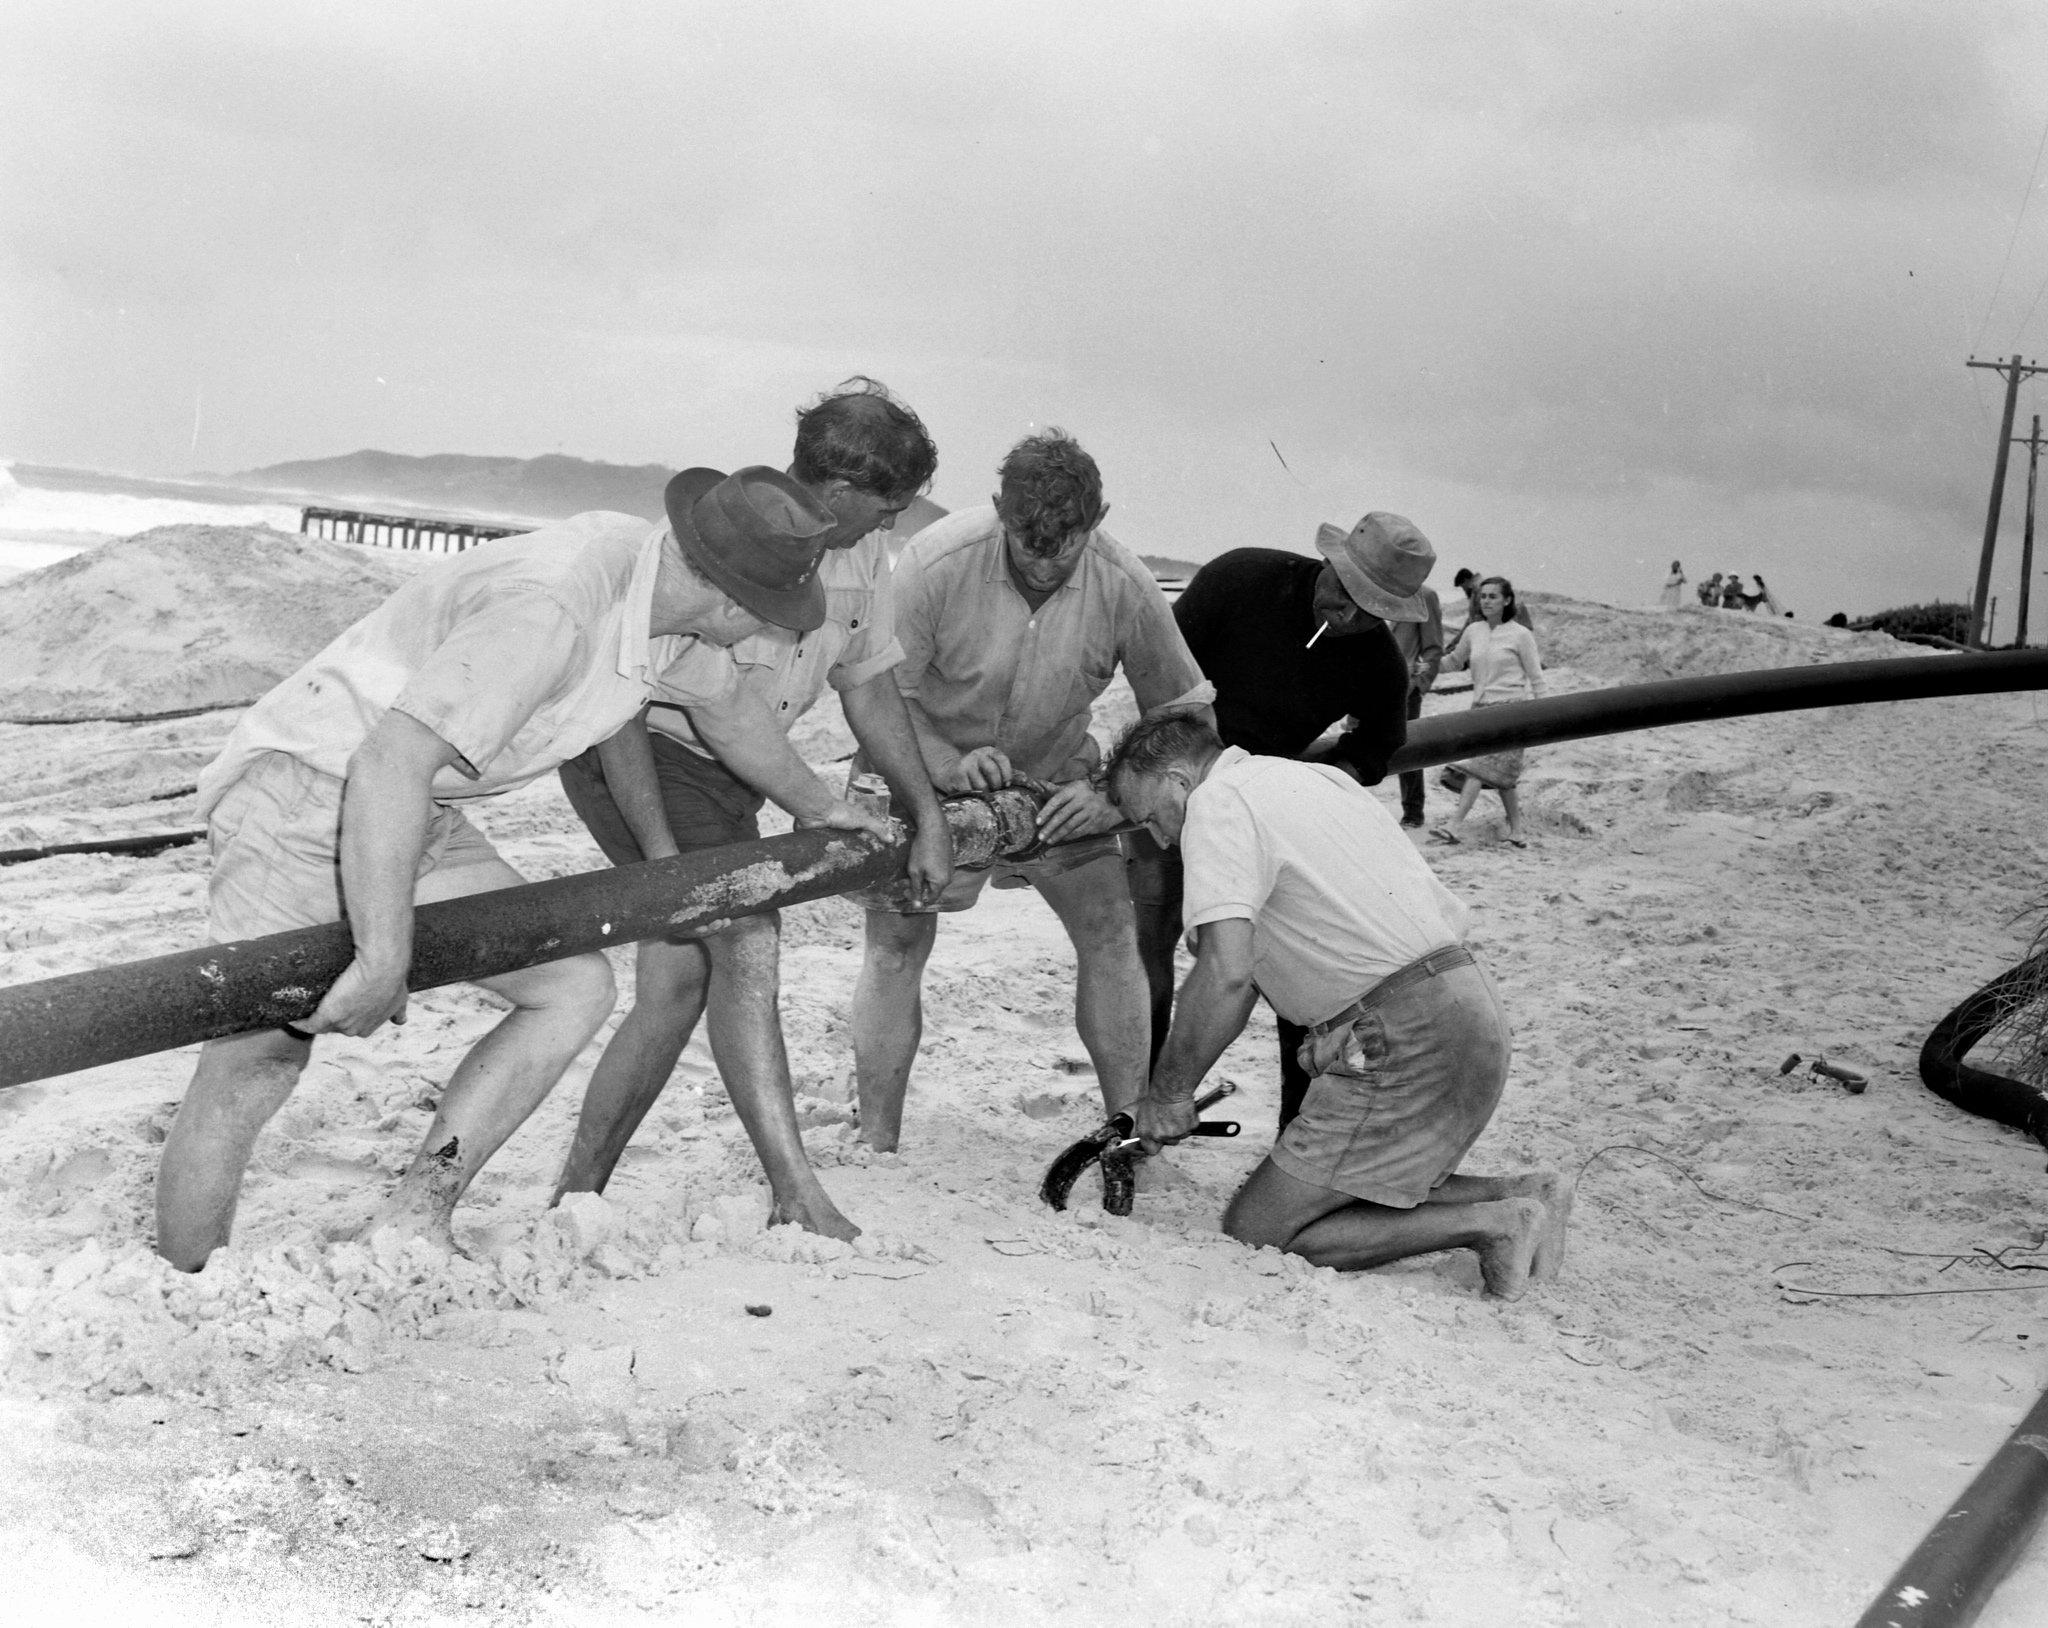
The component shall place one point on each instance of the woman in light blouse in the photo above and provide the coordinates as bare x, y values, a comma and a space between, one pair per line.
1505, 667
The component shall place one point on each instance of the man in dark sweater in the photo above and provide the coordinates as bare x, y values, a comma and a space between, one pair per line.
1292, 645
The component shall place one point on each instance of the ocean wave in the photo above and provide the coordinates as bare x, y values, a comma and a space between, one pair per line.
36, 519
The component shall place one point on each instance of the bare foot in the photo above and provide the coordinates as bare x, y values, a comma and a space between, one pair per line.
1556, 1194
1513, 1226
422, 1204
1554, 1191
814, 1212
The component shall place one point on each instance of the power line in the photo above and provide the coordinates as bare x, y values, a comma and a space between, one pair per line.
2018, 220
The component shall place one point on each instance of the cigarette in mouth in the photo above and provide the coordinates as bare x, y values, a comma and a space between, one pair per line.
1319, 632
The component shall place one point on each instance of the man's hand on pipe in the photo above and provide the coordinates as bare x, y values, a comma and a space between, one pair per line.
359, 1003
931, 865
840, 815
1076, 810
986, 768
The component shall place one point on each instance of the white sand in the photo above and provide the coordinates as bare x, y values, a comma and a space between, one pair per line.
989, 1413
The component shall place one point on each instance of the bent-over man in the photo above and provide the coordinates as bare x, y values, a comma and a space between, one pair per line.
339, 796
1302, 887
1014, 618
658, 787
1293, 645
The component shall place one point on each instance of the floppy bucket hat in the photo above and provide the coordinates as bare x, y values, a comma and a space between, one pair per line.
1383, 562
757, 534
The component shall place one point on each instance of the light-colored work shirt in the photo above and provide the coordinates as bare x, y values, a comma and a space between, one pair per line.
519, 654
982, 668
1504, 662
788, 671
1337, 896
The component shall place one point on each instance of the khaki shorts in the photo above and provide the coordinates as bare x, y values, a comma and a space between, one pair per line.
1403, 1090
276, 841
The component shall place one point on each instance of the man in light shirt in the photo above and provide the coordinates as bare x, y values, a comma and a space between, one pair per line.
1301, 887
1014, 617
658, 788
339, 796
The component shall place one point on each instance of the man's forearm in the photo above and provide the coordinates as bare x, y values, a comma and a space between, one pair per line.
629, 776
1211, 1011
941, 757
742, 732
880, 720
385, 806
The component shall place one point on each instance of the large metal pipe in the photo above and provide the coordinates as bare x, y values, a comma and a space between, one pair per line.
1724, 695
1960, 1563
62, 1024
59, 1025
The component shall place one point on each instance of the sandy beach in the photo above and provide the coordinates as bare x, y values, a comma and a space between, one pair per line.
985, 1412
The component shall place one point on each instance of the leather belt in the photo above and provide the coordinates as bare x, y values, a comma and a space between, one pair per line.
1437, 961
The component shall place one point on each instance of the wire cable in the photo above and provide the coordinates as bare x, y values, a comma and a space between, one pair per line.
2005, 265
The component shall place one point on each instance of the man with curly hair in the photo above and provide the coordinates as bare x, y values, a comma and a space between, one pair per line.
662, 786
1014, 617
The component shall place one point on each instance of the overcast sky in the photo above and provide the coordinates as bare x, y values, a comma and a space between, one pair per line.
1577, 287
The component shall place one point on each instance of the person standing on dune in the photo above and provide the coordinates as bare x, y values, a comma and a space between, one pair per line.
339, 796
656, 788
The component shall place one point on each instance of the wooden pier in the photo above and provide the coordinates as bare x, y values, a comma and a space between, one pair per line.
399, 530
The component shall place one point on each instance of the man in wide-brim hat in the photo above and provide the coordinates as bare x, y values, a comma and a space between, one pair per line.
340, 796
668, 783
1293, 645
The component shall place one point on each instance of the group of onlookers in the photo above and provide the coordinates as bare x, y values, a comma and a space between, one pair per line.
1721, 592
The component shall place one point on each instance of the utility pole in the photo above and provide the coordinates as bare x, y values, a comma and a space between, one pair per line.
2033, 446
2013, 372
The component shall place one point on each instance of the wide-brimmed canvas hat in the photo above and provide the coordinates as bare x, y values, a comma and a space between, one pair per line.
757, 534
1383, 562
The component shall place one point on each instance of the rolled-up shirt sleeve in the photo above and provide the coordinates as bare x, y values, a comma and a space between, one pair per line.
1155, 656
513, 651
872, 648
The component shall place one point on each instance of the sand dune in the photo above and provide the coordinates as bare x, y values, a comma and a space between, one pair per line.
177, 619
987, 1412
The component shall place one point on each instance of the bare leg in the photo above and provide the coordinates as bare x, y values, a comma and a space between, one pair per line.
1468, 794
669, 983
1510, 801
888, 1019
1333, 1229
556, 1008
240, 1082
746, 1039
1154, 878
1112, 1004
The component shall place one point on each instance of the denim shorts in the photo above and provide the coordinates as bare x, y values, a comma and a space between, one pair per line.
275, 835
1401, 1091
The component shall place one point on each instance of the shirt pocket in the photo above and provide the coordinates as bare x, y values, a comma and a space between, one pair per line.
847, 612
1091, 675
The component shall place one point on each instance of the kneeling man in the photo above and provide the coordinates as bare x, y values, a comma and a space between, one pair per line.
1301, 887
